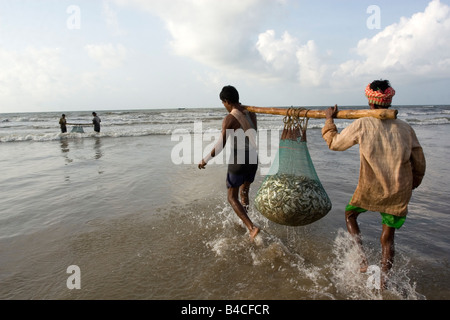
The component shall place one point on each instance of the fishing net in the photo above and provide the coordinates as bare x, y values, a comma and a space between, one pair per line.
77, 129
291, 194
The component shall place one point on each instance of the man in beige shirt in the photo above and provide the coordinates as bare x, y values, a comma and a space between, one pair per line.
392, 164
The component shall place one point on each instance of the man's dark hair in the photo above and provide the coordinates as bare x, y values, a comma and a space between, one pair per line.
230, 94
382, 85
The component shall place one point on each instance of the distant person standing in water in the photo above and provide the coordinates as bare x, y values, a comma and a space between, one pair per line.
96, 121
63, 123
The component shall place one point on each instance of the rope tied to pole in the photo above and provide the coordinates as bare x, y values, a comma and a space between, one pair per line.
295, 126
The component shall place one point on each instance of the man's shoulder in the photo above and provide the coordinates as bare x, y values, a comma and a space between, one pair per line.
229, 121
371, 123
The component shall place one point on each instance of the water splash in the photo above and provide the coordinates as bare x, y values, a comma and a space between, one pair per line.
352, 284
296, 262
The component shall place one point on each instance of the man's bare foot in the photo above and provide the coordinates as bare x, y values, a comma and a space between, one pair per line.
254, 232
383, 281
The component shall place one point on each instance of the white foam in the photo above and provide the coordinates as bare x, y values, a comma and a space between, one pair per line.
349, 281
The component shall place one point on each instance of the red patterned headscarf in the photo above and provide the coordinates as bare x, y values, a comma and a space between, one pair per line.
379, 97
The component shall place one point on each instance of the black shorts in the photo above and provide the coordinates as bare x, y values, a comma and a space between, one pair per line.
246, 174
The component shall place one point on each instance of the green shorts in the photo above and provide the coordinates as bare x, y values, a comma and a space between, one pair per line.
387, 219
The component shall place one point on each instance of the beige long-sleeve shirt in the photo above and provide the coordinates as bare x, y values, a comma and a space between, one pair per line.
392, 162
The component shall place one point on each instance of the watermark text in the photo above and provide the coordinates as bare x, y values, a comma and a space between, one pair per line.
74, 280
374, 20
241, 147
73, 22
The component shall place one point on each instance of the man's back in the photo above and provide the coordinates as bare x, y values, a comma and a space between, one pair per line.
386, 173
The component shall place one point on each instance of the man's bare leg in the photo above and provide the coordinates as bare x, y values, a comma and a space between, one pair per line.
353, 229
387, 252
244, 192
233, 199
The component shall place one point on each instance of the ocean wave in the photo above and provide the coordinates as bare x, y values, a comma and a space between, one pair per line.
44, 126
74, 136
165, 129
434, 121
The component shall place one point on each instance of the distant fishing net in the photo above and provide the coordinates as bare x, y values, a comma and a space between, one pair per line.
291, 194
77, 129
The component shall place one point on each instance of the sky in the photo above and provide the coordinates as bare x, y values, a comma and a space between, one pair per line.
58, 55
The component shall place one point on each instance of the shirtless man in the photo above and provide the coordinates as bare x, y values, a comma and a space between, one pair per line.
240, 175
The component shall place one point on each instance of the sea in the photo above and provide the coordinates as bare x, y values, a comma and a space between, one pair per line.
125, 214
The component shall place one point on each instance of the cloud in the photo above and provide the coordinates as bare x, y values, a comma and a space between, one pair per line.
41, 77
311, 66
31, 76
109, 56
418, 46
235, 40
230, 35
222, 34
289, 60
279, 54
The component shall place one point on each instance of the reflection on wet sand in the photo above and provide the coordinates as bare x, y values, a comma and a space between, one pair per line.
65, 150
97, 148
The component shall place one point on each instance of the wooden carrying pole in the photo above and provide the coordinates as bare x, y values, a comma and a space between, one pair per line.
341, 114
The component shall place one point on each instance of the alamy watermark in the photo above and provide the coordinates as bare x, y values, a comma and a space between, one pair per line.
73, 22
374, 20
194, 145
374, 280
74, 280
